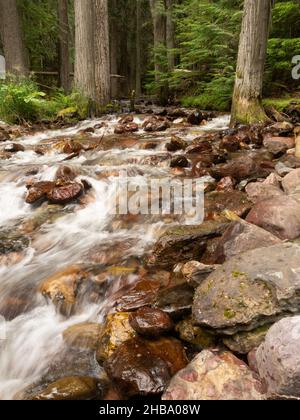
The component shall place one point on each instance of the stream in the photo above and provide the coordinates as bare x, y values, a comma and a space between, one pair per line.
62, 236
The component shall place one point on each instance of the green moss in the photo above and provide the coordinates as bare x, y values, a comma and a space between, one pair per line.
279, 103
229, 314
237, 274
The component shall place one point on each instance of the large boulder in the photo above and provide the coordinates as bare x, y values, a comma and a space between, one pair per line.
240, 237
278, 358
279, 145
259, 191
235, 201
253, 289
140, 367
239, 169
280, 216
215, 375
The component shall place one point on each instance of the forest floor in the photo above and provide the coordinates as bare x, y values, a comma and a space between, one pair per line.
106, 305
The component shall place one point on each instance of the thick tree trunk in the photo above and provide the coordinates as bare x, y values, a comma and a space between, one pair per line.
170, 34
114, 48
138, 88
102, 54
84, 48
247, 107
15, 52
158, 12
64, 55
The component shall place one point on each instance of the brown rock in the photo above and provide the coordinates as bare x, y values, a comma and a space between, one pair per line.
85, 336
70, 389
150, 322
65, 193
14, 148
38, 191
258, 191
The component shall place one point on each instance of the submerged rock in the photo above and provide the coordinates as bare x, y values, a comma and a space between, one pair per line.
253, 289
150, 322
278, 359
86, 335
279, 216
70, 389
144, 368
215, 376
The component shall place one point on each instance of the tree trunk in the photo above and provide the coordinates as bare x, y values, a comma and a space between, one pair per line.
84, 49
64, 55
114, 48
15, 52
102, 54
170, 34
247, 98
159, 32
138, 88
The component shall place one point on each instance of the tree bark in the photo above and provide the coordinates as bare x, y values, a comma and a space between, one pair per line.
84, 49
64, 54
158, 12
15, 52
138, 87
114, 48
102, 53
170, 34
247, 97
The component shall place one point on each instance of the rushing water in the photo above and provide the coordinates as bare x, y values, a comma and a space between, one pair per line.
34, 337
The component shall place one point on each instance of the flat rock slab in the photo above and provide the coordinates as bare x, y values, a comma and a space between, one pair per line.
253, 289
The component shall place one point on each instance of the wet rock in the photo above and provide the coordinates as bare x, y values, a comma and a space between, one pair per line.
230, 143
226, 184
258, 191
279, 145
177, 113
240, 237
150, 322
126, 119
175, 144
291, 182
250, 290
175, 300
72, 147
86, 335
184, 243
143, 293
279, 216
116, 331
156, 124
65, 174
195, 118
14, 148
38, 191
195, 335
215, 376
179, 162
126, 128
278, 359
65, 193
239, 169
144, 368
70, 389
244, 342
62, 287
234, 201
199, 146
149, 145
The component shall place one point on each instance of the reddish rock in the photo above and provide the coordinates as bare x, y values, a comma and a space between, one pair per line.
215, 375
279, 145
71, 147
65, 173
239, 169
240, 237
291, 182
199, 147
126, 119
258, 191
176, 144
155, 123
235, 201
230, 143
126, 128
150, 322
280, 216
226, 184
65, 193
